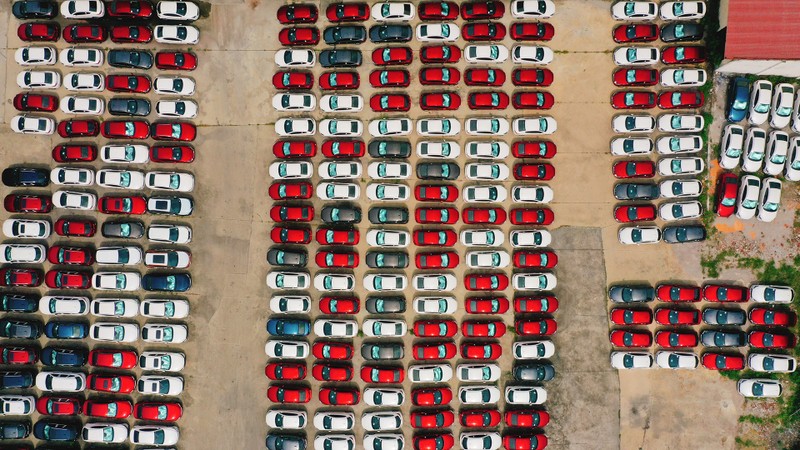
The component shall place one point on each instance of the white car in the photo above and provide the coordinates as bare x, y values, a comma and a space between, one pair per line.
288, 280
159, 385
634, 10
286, 349
525, 395
690, 165
530, 238
676, 360
480, 440
174, 85
387, 192
164, 308
104, 433
84, 82
678, 144
72, 104
82, 201
769, 199
334, 282
759, 388
341, 128
383, 397
532, 9
22, 253
393, 11
435, 283
771, 363
486, 149
384, 441
636, 56
631, 360
162, 361
430, 373
181, 109
488, 259
482, 238
385, 282
16, 405
72, 176
345, 170
624, 146
335, 328
39, 79
81, 57
125, 154
755, 144
176, 206
335, 420
116, 307
534, 125
52, 305
683, 77
777, 151
748, 199
534, 281
387, 238
390, 127
154, 435
681, 123
61, 381
291, 170
381, 421
32, 125
478, 395
171, 234
531, 54
435, 305
176, 34
680, 210
639, 235
433, 127
731, 147
782, 106
114, 332
484, 193
437, 32
384, 328
438, 149
180, 11
164, 333
683, 10
334, 442
486, 126
286, 419
633, 123
295, 58
338, 191
485, 53
35, 56
680, 188
82, 9
389, 170
301, 126
169, 181
486, 372
533, 349
767, 293
760, 102
337, 102
117, 281
532, 194
487, 171
26, 228
120, 179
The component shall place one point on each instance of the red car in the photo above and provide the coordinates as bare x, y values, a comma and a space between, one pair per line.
634, 213
23, 203
431, 396
343, 148
298, 13
284, 190
445, 238
486, 9
441, 418
532, 31
525, 442
534, 149
281, 213
683, 55
111, 409
58, 406
680, 100
634, 169
176, 61
126, 129
133, 34
81, 34
624, 338
445, 260
633, 100
74, 153
541, 303
433, 193
440, 441
299, 36
725, 293
529, 327
627, 316
81, 256
78, 128
535, 259
327, 236
113, 359
635, 77
771, 340
339, 396
494, 216
63, 279
339, 305
483, 328
439, 76
129, 9
347, 12
14, 277
439, 54
339, 80
171, 154
294, 149
436, 215
158, 411
478, 350
534, 171
675, 339
332, 350
390, 102
635, 33
487, 31
18, 355
486, 305
721, 361
772, 317
434, 350
435, 328
387, 56
677, 293
726, 193
389, 78
527, 418
531, 216
670, 316
39, 31
532, 77
484, 77
533, 100
437, 10
292, 80
75, 227
173, 131
488, 100
122, 205
337, 259
284, 235
486, 282
329, 372
480, 418
139, 84
285, 371
122, 384
288, 394
35, 102
439, 101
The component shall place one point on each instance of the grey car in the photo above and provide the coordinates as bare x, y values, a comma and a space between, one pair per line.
382, 352
340, 58
390, 33
382, 215
345, 34
385, 305
534, 372
287, 257
682, 32
341, 214
714, 338
387, 260
719, 316
631, 294
438, 171
125, 229
684, 233
283, 441
128, 106
389, 149
636, 191
130, 59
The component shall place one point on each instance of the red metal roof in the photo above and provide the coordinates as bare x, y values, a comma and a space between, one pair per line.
763, 30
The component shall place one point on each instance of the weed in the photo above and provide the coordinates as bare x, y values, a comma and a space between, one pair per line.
749, 418
715, 38
712, 265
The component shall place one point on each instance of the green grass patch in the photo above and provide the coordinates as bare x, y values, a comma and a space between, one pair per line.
715, 38
749, 418
713, 264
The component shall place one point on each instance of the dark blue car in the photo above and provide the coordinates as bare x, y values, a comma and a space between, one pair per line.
738, 99
66, 330
55, 431
16, 380
64, 357
288, 327
15, 430
179, 282
22, 303
20, 329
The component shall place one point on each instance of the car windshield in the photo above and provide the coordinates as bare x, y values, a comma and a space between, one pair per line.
677, 8
770, 206
761, 107
680, 53
176, 130
778, 158
631, 54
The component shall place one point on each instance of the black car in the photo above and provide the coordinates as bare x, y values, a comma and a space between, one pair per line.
385, 305
715, 338
684, 233
381, 215
22, 303
720, 316
682, 32
18, 429
388, 260
382, 352
20, 329
64, 357
738, 99
130, 59
631, 293
438, 171
286, 257
26, 176
636, 191
32, 9
341, 214
125, 229
534, 372
46, 430
389, 149
178, 282
16, 380
128, 107
345, 34
340, 58
390, 33
281, 441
